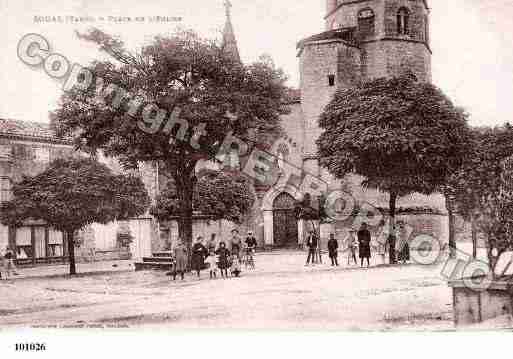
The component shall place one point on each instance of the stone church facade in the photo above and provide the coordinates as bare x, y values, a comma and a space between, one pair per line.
363, 39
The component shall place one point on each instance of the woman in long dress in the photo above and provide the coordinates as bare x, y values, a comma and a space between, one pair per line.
199, 253
180, 253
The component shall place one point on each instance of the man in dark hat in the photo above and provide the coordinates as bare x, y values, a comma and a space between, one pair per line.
364, 239
311, 243
333, 250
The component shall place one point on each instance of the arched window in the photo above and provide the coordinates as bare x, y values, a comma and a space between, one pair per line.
366, 22
403, 16
284, 201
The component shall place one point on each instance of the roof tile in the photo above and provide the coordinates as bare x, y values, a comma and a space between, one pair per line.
34, 130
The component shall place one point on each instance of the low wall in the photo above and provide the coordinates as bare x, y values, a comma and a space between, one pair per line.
113, 254
435, 225
471, 307
201, 227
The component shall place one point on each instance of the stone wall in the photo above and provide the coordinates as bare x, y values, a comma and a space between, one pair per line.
29, 158
201, 227
347, 16
318, 61
421, 223
407, 52
417, 16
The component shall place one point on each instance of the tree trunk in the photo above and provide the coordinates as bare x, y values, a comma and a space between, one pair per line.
474, 236
452, 238
391, 230
185, 189
71, 252
489, 251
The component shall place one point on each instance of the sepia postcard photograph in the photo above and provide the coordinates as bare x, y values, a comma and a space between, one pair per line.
255, 166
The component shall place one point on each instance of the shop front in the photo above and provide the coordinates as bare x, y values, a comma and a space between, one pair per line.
36, 243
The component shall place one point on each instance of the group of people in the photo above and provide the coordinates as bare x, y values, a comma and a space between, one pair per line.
8, 268
216, 257
361, 243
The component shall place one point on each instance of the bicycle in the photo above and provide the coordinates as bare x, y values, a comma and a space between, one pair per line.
248, 260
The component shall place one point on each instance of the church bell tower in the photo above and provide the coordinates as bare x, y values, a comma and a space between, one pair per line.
362, 40
393, 35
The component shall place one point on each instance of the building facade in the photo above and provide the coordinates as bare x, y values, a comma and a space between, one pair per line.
26, 148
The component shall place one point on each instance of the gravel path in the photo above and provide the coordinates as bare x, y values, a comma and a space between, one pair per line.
280, 294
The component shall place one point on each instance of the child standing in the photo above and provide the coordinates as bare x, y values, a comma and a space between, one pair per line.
235, 267
352, 245
212, 264
224, 255
9, 266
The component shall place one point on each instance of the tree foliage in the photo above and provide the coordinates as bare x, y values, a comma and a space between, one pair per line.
481, 187
73, 193
219, 195
182, 74
311, 208
402, 135
500, 209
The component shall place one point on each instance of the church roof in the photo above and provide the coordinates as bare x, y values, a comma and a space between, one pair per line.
29, 131
344, 34
229, 41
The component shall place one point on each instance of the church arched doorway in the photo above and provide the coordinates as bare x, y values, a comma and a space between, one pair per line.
285, 231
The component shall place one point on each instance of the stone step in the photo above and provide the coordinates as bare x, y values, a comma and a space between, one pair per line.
152, 266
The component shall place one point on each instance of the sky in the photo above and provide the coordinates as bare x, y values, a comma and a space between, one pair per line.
471, 42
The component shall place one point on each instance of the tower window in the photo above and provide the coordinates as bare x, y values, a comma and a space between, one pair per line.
366, 22
331, 80
403, 17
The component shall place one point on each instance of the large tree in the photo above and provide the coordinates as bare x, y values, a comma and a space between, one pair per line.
480, 187
191, 80
402, 135
73, 193
220, 195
